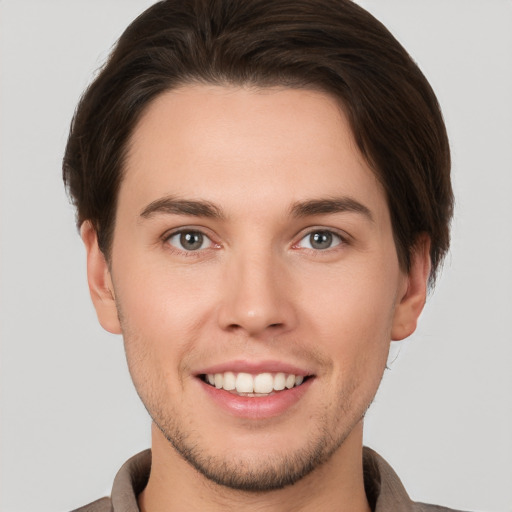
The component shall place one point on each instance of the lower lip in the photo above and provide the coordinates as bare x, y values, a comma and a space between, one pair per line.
258, 407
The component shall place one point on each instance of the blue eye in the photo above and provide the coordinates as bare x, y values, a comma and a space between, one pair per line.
320, 240
189, 240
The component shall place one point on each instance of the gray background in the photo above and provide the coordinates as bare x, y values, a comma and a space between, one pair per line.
69, 415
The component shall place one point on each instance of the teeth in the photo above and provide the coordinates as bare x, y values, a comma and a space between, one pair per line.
279, 381
290, 381
261, 384
244, 382
229, 381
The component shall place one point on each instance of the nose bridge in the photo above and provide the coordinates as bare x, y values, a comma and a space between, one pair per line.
256, 294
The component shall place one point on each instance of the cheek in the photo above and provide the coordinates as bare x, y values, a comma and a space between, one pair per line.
351, 316
155, 292
163, 310
356, 300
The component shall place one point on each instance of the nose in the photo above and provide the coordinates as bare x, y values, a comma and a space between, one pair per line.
257, 296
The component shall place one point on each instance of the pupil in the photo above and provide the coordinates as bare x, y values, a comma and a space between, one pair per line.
321, 240
191, 240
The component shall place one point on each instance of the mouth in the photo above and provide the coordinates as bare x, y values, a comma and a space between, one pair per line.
256, 390
254, 385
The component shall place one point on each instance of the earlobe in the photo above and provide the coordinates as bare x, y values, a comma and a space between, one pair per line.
100, 281
410, 304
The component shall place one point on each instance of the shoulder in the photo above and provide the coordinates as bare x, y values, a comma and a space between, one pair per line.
385, 490
128, 483
424, 507
101, 505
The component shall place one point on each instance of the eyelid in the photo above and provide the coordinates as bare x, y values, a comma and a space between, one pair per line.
344, 238
189, 229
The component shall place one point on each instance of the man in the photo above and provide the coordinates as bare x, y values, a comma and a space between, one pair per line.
263, 191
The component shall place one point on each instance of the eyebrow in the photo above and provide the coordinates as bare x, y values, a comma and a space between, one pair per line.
173, 206
198, 208
330, 205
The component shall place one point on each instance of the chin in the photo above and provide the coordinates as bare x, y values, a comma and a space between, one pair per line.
255, 470
256, 461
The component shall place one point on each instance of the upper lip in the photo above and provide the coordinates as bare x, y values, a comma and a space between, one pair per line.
255, 367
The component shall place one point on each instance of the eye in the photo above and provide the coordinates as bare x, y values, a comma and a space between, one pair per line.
320, 240
189, 240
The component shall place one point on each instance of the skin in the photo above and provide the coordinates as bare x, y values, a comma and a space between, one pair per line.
256, 290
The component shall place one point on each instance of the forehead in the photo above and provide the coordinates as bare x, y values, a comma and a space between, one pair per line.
244, 146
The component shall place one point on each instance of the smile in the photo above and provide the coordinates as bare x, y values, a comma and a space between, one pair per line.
259, 385
256, 390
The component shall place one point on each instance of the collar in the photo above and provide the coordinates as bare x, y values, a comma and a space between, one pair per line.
383, 487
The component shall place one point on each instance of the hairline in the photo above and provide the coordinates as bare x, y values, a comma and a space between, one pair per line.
257, 86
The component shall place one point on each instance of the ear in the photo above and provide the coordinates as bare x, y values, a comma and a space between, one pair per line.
414, 294
100, 281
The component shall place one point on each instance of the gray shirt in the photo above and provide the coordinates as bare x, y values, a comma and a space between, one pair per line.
384, 489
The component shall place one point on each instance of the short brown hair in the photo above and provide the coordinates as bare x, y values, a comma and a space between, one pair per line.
331, 45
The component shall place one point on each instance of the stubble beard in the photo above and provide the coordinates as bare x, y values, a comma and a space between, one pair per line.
270, 472
262, 473
267, 474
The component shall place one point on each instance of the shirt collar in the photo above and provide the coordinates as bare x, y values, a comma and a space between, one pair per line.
383, 487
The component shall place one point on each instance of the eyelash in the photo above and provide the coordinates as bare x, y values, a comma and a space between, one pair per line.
335, 237
189, 253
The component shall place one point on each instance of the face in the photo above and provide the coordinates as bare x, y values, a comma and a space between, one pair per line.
255, 278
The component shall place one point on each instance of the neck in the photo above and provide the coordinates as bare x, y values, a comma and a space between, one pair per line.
336, 485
